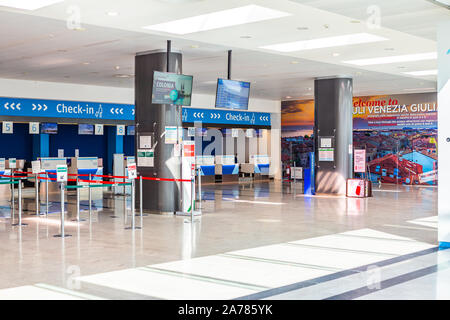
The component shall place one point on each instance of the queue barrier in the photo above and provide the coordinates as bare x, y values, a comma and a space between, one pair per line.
14, 179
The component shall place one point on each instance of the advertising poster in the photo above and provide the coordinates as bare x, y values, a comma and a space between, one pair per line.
398, 132
171, 88
171, 136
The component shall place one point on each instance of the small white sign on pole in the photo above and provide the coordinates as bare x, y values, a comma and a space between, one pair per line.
36, 167
2, 164
132, 171
7, 127
360, 160
34, 128
61, 173
12, 163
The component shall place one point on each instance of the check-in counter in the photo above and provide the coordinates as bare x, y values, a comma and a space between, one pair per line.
86, 165
258, 168
207, 168
120, 165
227, 168
5, 189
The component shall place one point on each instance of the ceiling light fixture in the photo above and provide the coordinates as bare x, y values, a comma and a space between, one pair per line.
218, 19
422, 73
394, 59
336, 54
124, 75
422, 89
246, 37
117, 67
295, 62
337, 41
28, 4
112, 13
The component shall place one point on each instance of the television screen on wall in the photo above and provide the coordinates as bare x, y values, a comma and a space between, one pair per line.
85, 129
49, 128
232, 94
171, 88
131, 130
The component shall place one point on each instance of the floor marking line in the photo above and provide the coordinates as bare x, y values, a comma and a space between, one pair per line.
281, 262
67, 291
363, 291
340, 249
204, 278
408, 227
307, 283
376, 238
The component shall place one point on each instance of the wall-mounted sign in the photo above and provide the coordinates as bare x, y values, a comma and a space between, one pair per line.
145, 158
191, 132
60, 153
359, 161
325, 142
98, 130
2, 164
34, 128
188, 149
235, 133
171, 135
7, 127
65, 109
145, 142
120, 130
192, 115
249, 133
326, 154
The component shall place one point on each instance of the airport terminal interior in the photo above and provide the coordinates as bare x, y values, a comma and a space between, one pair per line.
220, 150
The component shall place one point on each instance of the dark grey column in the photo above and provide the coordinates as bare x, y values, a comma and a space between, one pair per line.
333, 123
151, 119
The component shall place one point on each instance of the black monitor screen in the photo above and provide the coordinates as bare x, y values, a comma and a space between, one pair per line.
232, 94
130, 130
50, 128
171, 88
85, 129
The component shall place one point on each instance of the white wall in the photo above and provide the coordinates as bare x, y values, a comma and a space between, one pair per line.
79, 92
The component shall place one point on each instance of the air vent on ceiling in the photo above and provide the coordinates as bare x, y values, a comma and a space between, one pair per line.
100, 43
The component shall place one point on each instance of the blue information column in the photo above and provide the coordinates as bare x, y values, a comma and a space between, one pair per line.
308, 183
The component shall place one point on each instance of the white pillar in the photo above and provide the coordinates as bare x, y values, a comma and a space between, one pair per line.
444, 134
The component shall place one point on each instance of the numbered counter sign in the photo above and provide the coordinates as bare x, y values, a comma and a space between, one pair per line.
34, 128
61, 173
7, 127
120, 130
98, 129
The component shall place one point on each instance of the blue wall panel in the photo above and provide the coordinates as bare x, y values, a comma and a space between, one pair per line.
69, 140
17, 145
128, 145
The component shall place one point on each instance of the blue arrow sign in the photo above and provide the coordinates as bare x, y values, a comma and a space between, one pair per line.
65, 109
226, 117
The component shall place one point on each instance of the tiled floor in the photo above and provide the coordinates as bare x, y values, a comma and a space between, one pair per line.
261, 241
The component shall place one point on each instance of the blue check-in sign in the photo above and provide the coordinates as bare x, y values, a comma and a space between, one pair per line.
65, 109
231, 117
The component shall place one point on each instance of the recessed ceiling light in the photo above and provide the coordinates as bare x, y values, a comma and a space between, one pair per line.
295, 62
288, 97
86, 63
355, 21
422, 73
246, 37
389, 49
394, 59
194, 46
117, 67
336, 54
302, 28
328, 42
112, 13
218, 19
28, 4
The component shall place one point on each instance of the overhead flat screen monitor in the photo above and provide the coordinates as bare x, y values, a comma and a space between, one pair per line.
232, 94
171, 88
85, 129
50, 128
130, 130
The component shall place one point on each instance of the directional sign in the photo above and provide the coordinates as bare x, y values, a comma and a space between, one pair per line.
65, 109
120, 130
98, 129
34, 128
226, 117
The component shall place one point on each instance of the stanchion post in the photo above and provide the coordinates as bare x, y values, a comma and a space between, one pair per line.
36, 194
199, 188
13, 207
46, 194
90, 196
132, 203
192, 197
20, 224
124, 200
62, 234
141, 199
